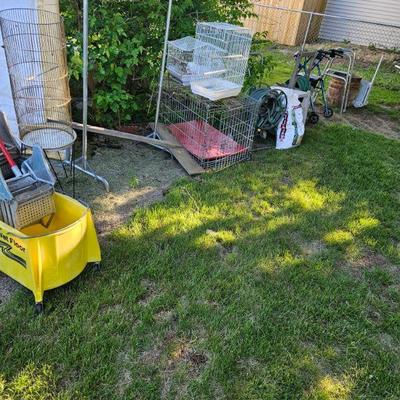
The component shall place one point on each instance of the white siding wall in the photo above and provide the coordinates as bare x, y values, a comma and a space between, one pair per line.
383, 11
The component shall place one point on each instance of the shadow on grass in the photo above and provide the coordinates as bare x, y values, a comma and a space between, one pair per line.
248, 269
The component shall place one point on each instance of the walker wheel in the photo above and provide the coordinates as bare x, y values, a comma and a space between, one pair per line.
39, 308
328, 112
313, 118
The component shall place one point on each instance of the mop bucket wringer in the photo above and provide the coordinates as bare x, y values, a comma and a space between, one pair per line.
45, 257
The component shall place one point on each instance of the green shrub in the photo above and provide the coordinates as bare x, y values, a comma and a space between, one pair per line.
125, 48
261, 61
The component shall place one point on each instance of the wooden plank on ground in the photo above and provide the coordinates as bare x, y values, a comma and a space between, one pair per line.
130, 136
167, 142
184, 158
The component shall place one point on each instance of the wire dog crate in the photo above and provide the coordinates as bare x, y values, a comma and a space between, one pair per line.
217, 134
35, 50
223, 60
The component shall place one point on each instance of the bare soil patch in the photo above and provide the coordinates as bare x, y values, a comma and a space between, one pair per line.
369, 121
138, 175
313, 248
368, 261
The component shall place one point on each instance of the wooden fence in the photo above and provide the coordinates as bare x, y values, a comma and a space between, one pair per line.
287, 26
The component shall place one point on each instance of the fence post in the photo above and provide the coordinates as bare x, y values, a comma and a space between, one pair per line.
311, 15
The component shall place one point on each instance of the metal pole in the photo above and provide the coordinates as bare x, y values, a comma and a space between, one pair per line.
164, 57
85, 168
307, 31
85, 80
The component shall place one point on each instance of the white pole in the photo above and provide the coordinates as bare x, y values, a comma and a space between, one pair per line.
164, 57
85, 168
303, 46
85, 80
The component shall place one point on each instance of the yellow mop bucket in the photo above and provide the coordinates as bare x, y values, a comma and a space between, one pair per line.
42, 258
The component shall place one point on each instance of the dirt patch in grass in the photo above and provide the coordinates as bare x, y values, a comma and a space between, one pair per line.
197, 358
313, 248
247, 364
369, 121
151, 357
388, 342
138, 176
225, 251
187, 360
165, 316
150, 293
125, 375
184, 353
368, 261
177, 358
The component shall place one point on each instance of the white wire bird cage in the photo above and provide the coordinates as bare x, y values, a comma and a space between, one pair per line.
217, 134
180, 61
222, 63
180, 58
35, 50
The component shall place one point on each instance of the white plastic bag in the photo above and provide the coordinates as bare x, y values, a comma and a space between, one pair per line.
291, 128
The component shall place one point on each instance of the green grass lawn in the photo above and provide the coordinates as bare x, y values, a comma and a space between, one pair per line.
385, 95
275, 279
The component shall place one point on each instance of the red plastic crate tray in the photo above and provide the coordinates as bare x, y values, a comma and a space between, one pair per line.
204, 141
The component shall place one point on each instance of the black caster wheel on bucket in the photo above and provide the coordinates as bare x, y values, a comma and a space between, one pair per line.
39, 308
328, 112
313, 118
96, 267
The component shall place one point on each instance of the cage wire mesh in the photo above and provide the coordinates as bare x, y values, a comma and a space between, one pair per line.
180, 58
220, 64
217, 134
35, 49
180, 61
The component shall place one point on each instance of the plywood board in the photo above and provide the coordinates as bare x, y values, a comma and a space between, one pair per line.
184, 158
124, 135
167, 142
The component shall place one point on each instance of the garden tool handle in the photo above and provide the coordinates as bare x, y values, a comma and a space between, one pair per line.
14, 167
